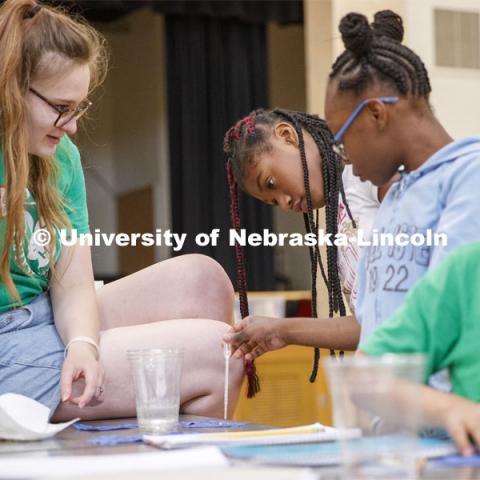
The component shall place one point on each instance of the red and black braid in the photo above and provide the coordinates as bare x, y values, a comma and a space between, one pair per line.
234, 134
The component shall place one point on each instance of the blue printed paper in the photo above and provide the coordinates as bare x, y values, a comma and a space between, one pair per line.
185, 424
110, 440
103, 428
459, 461
329, 453
211, 424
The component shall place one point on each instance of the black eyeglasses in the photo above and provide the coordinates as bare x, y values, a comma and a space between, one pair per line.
65, 114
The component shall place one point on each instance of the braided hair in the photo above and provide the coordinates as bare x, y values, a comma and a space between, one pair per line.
250, 137
375, 53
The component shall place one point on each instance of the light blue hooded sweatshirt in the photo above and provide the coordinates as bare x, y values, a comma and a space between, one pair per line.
442, 195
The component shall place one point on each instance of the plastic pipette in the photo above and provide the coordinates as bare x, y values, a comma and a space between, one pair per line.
227, 351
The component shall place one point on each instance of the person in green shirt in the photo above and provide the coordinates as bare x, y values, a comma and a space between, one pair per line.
63, 343
31, 275
441, 318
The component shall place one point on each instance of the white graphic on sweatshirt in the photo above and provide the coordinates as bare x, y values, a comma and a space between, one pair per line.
34, 259
3, 202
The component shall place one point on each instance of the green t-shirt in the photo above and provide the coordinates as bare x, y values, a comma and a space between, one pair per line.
441, 318
32, 277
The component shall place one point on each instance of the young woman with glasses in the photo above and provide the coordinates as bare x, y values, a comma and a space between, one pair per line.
62, 343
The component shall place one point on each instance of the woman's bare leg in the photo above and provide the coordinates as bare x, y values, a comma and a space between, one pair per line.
189, 286
159, 307
202, 379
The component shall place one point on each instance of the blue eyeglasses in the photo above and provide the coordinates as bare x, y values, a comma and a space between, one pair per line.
337, 146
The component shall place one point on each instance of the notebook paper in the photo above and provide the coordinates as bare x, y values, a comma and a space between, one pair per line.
280, 436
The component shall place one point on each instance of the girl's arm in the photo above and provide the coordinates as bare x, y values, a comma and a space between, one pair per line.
256, 335
75, 314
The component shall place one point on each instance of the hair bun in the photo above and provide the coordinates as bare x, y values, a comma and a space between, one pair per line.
356, 33
32, 11
388, 24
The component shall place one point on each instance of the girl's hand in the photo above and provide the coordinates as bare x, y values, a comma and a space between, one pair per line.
462, 421
253, 336
82, 363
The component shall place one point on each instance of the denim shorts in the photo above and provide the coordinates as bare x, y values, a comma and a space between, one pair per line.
31, 352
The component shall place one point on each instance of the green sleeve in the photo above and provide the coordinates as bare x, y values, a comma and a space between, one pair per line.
72, 185
428, 322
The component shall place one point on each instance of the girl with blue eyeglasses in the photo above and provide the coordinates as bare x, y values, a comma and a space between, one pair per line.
377, 106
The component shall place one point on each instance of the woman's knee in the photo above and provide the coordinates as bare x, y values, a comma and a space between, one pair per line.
208, 281
207, 269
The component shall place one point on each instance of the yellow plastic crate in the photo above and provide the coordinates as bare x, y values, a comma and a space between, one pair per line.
287, 398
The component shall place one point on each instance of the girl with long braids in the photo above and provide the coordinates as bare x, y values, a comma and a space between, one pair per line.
285, 158
61, 343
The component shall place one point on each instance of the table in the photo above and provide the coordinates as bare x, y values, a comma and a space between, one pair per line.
73, 442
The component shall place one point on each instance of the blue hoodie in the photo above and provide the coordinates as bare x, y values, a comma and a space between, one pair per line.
442, 195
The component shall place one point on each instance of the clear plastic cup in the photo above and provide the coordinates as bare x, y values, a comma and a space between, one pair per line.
157, 376
379, 396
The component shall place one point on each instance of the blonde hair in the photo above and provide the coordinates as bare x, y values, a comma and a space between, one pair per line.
28, 31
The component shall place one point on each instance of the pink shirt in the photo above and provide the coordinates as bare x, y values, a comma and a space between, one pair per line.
362, 198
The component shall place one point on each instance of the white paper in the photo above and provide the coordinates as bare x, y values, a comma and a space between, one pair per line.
242, 472
22, 418
87, 465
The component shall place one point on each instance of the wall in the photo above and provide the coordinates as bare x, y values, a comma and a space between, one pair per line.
95, 140
286, 70
455, 91
130, 147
